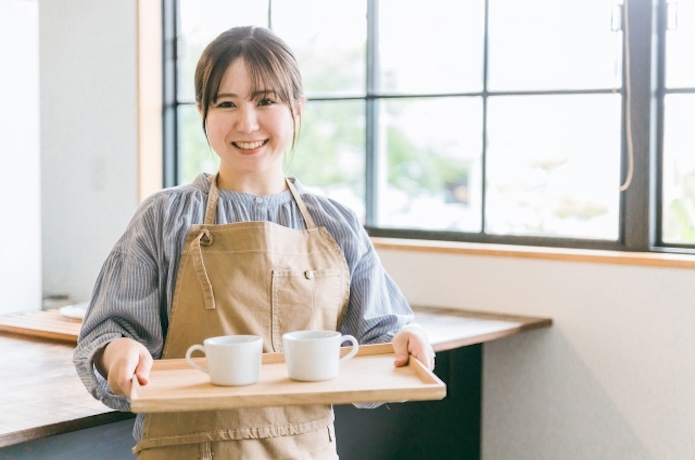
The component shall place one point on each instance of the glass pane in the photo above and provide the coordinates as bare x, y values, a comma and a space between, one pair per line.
432, 150
551, 44
445, 55
553, 166
329, 40
195, 155
329, 155
678, 222
200, 21
680, 71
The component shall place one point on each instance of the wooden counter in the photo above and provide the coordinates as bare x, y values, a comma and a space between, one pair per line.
449, 328
42, 396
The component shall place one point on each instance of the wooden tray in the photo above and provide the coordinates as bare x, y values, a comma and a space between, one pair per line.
48, 324
368, 377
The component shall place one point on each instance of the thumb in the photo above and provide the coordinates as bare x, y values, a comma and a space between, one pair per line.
142, 371
400, 349
401, 359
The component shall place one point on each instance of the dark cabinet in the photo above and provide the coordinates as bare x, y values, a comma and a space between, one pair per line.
422, 430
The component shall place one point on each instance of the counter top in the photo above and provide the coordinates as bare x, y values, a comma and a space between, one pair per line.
449, 328
42, 395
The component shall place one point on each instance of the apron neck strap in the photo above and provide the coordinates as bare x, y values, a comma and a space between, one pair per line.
211, 208
308, 220
213, 194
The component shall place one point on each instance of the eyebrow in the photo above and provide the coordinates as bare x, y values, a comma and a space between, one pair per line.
253, 96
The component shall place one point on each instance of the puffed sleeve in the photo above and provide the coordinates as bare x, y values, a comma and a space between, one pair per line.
377, 308
126, 302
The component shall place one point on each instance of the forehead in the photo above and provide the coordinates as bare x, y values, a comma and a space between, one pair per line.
240, 80
236, 80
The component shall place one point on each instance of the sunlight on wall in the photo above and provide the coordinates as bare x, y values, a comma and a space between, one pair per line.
20, 261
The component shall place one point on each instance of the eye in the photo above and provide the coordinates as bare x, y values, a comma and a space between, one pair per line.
224, 105
266, 101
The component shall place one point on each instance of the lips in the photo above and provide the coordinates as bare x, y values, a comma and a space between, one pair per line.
249, 145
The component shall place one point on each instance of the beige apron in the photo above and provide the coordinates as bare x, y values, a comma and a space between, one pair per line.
251, 278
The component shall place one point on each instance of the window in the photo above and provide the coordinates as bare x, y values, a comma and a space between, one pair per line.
534, 122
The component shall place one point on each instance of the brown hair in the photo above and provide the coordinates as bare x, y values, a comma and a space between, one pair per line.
269, 60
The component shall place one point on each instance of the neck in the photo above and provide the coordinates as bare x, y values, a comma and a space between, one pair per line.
254, 185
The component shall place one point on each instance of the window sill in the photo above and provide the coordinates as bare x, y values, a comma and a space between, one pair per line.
669, 260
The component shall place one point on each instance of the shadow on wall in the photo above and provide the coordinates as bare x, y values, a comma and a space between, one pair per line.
576, 419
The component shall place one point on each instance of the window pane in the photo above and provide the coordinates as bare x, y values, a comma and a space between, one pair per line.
680, 71
195, 155
433, 150
329, 156
552, 44
678, 223
329, 40
203, 20
444, 55
553, 166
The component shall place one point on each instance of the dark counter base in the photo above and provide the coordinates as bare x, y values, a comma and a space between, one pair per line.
112, 441
446, 429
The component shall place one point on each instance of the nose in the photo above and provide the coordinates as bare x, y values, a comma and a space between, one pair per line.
248, 120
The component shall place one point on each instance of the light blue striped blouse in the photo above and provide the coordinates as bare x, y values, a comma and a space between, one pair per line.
133, 294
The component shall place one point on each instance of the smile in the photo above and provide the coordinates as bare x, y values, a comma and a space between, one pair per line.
249, 145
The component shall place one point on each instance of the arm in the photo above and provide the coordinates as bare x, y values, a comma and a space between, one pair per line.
378, 311
123, 330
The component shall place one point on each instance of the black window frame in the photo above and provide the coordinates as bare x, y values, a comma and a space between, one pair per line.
640, 205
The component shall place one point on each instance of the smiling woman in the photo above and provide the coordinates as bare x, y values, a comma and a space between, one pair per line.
244, 251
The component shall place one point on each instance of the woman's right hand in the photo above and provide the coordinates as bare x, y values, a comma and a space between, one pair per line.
122, 359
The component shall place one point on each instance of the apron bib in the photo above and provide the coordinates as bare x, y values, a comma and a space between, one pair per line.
250, 278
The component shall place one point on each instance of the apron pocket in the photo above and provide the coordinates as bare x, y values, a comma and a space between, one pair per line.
305, 299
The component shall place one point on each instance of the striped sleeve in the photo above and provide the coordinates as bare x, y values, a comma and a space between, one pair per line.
377, 308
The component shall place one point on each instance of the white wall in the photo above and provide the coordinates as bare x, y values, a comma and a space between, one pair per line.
88, 135
614, 378
20, 224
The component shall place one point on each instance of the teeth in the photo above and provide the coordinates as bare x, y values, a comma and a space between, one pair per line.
249, 145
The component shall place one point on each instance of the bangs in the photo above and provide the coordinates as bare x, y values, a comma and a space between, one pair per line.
268, 75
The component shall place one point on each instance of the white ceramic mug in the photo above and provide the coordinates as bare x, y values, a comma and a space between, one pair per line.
232, 360
315, 355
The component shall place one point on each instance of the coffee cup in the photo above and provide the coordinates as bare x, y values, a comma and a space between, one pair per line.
315, 355
232, 360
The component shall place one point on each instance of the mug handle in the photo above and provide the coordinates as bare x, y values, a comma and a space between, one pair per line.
190, 361
353, 351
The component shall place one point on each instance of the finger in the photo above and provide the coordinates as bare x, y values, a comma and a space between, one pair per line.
425, 355
120, 383
126, 386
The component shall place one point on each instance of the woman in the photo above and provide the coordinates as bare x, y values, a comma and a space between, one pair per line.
245, 251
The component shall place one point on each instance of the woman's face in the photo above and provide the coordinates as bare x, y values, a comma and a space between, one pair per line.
249, 132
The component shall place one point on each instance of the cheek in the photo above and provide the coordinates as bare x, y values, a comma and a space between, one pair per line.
215, 129
284, 127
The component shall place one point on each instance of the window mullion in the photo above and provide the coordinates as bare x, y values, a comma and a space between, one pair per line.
639, 199
371, 117
170, 142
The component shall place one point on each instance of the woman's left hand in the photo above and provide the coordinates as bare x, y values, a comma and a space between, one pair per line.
412, 340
